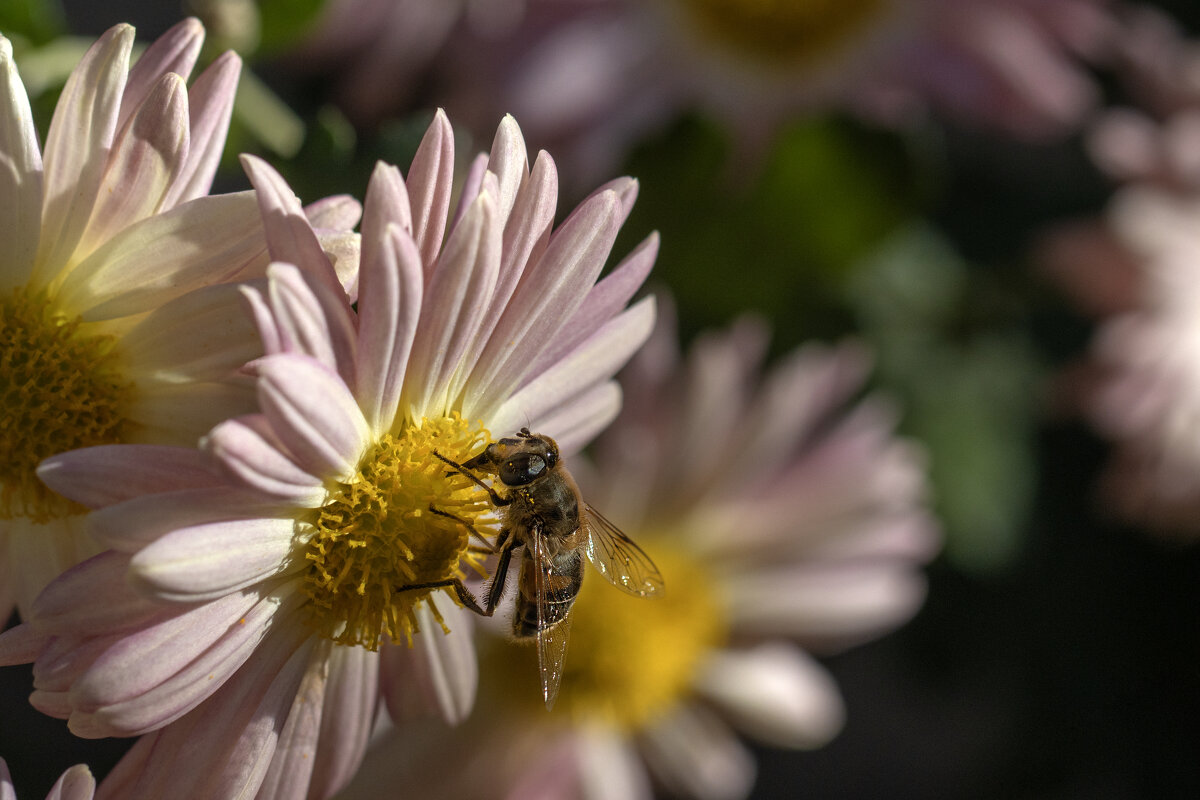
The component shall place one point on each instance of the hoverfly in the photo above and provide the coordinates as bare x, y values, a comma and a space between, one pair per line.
545, 513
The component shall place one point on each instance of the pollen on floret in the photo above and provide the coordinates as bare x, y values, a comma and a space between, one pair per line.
406, 519
782, 32
60, 389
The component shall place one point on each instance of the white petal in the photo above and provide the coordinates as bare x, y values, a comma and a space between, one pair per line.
167, 412
776, 693
43, 552
160, 258
131, 525
107, 474
694, 754
210, 106
77, 145
20, 175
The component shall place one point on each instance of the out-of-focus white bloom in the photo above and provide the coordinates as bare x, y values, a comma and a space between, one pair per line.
783, 521
107, 231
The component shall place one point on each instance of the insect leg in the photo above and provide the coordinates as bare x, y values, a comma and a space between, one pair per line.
464, 596
466, 524
501, 574
497, 500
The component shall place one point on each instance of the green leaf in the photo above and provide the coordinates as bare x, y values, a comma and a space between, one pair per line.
36, 21
284, 22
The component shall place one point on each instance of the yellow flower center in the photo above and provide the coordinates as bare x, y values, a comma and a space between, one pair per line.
402, 522
782, 32
60, 390
629, 659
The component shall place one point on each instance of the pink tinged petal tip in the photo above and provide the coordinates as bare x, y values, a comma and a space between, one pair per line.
694, 754
509, 162
430, 182
78, 143
210, 102
77, 783
314, 415
175, 51
251, 455
20, 174
22, 644
102, 476
776, 693
311, 321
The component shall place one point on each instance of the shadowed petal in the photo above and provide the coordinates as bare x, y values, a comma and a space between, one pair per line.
131, 525
174, 51
210, 106
20, 175
351, 703
112, 605
76, 783
438, 674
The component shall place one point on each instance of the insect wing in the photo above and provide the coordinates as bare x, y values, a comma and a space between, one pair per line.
618, 558
554, 623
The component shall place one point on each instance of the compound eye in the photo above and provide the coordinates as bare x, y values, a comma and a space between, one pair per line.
522, 469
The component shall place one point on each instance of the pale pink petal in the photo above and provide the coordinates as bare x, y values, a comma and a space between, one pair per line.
20, 175
210, 106
314, 415
351, 704
251, 455
22, 644
390, 281
825, 607
430, 181
248, 713
204, 335
548, 294
338, 212
146, 158
303, 324
295, 755
77, 145
112, 605
153, 677
205, 562
455, 300
164, 256
107, 474
260, 311
437, 675
472, 184
527, 231
508, 161
776, 693
76, 783
592, 361
692, 753
131, 525
578, 421
175, 51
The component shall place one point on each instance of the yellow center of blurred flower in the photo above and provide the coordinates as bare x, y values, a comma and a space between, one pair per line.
782, 32
59, 390
630, 659
380, 534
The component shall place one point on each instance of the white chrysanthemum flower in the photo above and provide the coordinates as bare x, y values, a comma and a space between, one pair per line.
782, 522
268, 574
76, 783
106, 233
